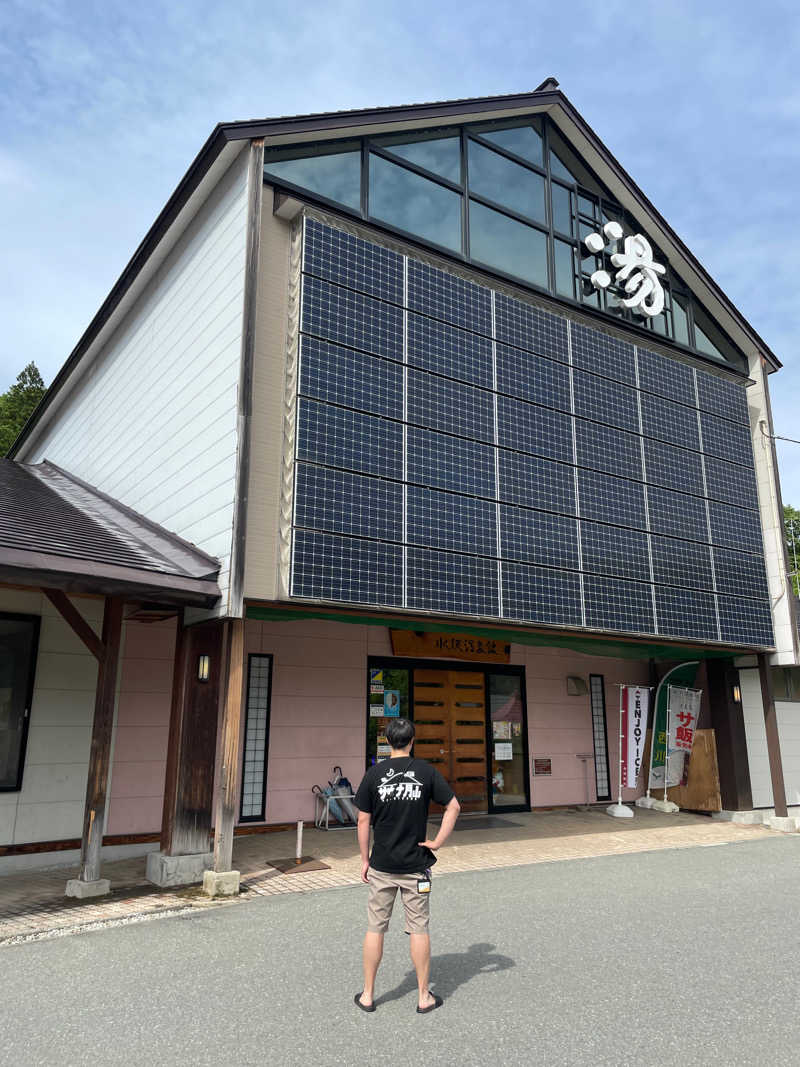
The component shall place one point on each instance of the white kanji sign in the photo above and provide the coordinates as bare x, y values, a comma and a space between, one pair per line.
635, 267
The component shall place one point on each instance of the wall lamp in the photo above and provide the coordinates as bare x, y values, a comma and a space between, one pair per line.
203, 668
736, 693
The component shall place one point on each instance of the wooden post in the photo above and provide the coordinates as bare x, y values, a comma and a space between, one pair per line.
100, 752
175, 736
228, 784
773, 740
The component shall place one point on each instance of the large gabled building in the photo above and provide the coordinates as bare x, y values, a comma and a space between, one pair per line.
471, 435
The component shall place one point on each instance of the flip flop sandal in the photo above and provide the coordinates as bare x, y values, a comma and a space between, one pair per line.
437, 1003
364, 1007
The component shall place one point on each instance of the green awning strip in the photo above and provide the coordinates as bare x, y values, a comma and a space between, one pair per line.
588, 646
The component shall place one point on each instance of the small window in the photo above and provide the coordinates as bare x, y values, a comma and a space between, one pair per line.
414, 204
335, 175
508, 245
19, 638
256, 738
599, 734
562, 209
565, 270
505, 182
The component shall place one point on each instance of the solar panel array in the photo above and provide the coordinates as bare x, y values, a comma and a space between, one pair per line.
462, 451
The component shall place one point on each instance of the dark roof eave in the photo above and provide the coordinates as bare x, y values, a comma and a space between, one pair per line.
23, 567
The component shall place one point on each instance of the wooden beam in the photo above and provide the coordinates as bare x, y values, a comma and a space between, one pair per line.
73, 617
100, 752
773, 740
228, 785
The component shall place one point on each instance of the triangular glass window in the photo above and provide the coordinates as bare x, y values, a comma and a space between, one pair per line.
523, 141
334, 174
439, 155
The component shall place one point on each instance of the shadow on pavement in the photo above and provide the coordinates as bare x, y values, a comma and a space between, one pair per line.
451, 970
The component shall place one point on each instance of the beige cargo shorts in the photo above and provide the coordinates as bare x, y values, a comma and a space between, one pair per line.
382, 892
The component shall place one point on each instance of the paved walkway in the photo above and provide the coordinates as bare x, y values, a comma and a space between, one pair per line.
33, 905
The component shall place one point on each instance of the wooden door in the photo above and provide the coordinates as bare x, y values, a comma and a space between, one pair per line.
450, 723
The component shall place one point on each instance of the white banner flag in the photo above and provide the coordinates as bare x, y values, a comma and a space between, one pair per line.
633, 728
683, 709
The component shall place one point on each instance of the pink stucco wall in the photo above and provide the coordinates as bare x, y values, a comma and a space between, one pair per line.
318, 710
141, 730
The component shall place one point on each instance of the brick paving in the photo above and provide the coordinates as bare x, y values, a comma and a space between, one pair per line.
33, 905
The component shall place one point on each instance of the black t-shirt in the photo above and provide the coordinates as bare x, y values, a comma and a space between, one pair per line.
396, 793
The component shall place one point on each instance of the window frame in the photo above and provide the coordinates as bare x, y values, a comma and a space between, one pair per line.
30, 683
263, 814
593, 303
600, 798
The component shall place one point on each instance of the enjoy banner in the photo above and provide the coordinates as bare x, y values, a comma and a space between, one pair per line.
635, 705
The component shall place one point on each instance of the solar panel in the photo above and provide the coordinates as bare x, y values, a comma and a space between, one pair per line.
538, 537
536, 483
438, 346
327, 567
670, 422
533, 377
541, 594
451, 521
614, 550
444, 462
348, 260
446, 581
338, 437
608, 449
598, 480
345, 503
665, 377
602, 353
616, 604
722, 397
525, 326
443, 295
673, 468
605, 401
446, 405
530, 428
353, 379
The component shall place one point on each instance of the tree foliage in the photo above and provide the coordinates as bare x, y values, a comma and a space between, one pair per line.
791, 525
17, 403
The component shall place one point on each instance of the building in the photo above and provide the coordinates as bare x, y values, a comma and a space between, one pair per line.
455, 425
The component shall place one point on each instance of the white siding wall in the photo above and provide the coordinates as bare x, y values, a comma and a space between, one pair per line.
50, 805
771, 519
788, 715
153, 422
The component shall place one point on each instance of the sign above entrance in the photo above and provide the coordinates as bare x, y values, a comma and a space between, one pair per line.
449, 646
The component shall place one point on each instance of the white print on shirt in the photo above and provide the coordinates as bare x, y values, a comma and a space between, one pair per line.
399, 786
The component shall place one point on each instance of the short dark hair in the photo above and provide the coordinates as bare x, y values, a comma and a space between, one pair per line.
400, 732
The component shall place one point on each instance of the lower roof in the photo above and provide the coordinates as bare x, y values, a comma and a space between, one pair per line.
56, 531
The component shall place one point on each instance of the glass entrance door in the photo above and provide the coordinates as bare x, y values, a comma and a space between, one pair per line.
509, 754
450, 722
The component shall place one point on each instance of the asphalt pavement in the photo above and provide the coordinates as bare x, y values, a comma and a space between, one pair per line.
684, 957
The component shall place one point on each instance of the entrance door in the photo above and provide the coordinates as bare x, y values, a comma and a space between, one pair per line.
450, 723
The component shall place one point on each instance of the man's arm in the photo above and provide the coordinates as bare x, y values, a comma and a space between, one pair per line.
448, 822
364, 820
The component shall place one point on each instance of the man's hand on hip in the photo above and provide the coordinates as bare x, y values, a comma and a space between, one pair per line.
432, 845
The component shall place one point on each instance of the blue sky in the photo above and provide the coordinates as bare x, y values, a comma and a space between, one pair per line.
103, 106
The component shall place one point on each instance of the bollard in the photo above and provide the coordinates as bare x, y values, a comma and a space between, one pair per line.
299, 849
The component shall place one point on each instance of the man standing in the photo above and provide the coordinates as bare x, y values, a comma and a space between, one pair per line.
393, 797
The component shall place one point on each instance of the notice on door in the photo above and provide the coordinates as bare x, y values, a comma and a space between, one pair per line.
503, 750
